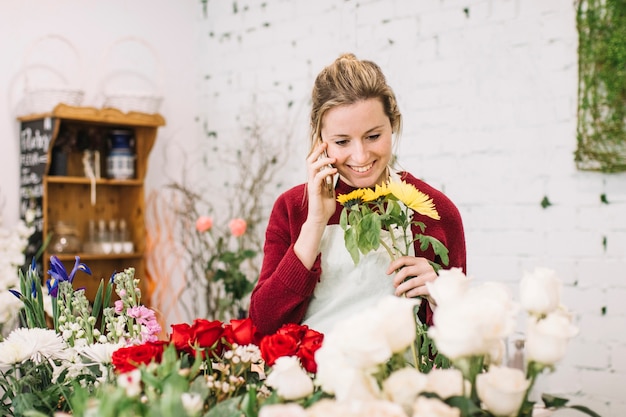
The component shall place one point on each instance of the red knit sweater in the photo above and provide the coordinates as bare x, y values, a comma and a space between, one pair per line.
285, 286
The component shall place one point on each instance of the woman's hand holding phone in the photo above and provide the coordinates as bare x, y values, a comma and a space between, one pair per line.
328, 181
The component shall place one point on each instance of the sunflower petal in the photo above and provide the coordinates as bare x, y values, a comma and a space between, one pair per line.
414, 199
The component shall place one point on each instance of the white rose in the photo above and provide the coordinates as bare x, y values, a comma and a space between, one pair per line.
398, 321
474, 324
502, 390
450, 286
359, 338
282, 410
289, 379
336, 376
446, 383
432, 407
327, 408
404, 385
540, 291
547, 339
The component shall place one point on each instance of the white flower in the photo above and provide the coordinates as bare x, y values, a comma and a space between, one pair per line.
450, 285
38, 344
282, 410
474, 324
336, 376
192, 402
502, 390
12, 353
398, 321
131, 382
360, 338
446, 383
540, 291
100, 353
547, 339
289, 379
326, 408
432, 407
373, 408
404, 385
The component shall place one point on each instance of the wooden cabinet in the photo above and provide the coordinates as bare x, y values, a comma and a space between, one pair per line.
68, 195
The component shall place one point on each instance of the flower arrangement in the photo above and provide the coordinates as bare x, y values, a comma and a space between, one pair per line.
212, 368
362, 368
41, 366
391, 208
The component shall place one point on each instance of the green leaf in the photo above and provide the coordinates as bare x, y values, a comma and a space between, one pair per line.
585, 410
369, 233
350, 242
227, 408
465, 405
552, 401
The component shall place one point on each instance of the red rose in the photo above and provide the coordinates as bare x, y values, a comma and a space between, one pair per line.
240, 331
181, 337
126, 359
277, 345
297, 331
310, 343
206, 334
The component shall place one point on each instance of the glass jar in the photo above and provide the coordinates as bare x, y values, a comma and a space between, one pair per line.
121, 160
64, 238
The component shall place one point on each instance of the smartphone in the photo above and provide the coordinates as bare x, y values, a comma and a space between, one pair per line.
329, 178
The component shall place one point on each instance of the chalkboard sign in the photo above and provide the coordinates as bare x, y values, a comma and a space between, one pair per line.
35, 138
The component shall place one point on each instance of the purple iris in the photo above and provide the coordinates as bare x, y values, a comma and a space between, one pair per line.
58, 273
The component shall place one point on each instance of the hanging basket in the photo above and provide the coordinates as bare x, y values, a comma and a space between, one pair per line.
54, 86
120, 87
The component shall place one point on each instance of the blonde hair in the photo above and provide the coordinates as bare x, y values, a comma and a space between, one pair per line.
347, 81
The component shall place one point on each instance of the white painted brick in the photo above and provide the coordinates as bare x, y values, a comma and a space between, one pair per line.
615, 305
601, 328
605, 273
583, 301
618, 357
608, 385
587, 354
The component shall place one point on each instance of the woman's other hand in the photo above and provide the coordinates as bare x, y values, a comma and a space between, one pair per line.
411, 275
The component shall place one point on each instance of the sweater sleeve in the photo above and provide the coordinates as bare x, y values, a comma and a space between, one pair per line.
285, 285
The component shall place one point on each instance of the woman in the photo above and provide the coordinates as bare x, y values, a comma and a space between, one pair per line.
307, 274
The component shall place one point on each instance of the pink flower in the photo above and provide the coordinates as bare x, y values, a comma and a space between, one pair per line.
119, 306
237, 227
204, 223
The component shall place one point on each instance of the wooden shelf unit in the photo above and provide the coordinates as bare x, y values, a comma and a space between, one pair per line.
68, 197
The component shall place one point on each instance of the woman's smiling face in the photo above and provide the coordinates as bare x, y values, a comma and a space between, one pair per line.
359, 137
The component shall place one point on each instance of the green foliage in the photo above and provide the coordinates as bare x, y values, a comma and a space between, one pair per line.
364, 221
601, 131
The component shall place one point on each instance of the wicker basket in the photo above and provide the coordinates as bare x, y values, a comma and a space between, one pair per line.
42, 98
132, 99
128, 102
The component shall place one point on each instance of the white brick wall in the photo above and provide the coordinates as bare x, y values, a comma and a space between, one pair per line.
489, 99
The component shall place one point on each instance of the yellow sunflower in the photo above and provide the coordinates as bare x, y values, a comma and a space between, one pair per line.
379, 191
414, 199
353, 197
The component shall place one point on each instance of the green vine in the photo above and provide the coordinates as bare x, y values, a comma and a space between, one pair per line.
601, 131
